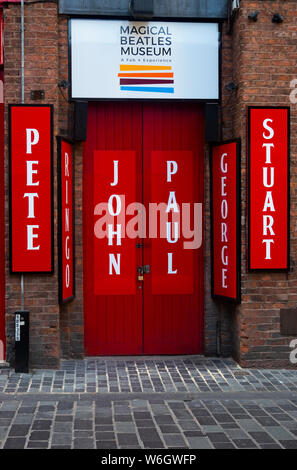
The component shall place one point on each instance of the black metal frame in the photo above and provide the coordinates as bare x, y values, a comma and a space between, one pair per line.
169, 20
249, 108
60, 139
10, 106
211, 13
238, 221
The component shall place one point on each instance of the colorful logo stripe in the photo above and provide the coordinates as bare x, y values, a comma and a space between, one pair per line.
140, 81
163, 75
146, 88
142, 78
144, 67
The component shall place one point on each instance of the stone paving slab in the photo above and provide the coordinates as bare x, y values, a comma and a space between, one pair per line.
189, 374
149, 403
149, 424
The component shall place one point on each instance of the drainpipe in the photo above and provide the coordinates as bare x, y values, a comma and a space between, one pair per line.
22, 316
23, 101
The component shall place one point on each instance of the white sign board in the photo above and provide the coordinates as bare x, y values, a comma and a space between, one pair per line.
156, 60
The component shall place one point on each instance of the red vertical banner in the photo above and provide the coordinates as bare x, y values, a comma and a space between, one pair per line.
268, 188
225, 218
31, 215
114, 249
172, 189
66, 220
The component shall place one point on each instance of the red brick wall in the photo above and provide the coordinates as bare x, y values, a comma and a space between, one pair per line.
71, 319
41, 72
215, 311
264, 63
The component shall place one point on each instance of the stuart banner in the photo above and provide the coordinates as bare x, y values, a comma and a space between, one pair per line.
66, 220
225, 218
161, 60
268, 188
31, 228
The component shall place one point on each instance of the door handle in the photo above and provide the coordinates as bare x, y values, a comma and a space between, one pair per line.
146, 269
141, 270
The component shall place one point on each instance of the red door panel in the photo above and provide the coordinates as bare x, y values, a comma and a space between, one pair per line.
177, 167
173, 306
112, 302
143, 153
116, 172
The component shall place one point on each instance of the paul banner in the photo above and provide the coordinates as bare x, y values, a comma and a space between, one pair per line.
66, 220
225, 220
31, 214
268, 188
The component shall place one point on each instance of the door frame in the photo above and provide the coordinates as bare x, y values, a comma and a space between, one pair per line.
157, 103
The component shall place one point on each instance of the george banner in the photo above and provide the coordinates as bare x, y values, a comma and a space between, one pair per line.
31, 214
66, 220
268, 188
225, 220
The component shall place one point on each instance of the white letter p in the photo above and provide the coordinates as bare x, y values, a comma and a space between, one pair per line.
31, 133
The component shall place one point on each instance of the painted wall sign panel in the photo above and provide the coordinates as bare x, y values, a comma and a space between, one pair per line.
114, 252
172, 186
268, 158
154, 60
66, 220
31, 230
225, 204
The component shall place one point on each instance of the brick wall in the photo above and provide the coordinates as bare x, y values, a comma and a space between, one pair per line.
41, 72
54, 331
216, 310
71, 319
264, 63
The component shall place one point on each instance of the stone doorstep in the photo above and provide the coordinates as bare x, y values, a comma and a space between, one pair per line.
4, 365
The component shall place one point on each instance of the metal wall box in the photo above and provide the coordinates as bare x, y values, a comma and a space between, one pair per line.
142, 8
288, 321
80, 120
212, 130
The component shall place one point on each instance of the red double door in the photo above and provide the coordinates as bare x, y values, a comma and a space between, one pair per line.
142, 216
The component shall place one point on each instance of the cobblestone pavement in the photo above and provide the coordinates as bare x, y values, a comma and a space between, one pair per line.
107, 403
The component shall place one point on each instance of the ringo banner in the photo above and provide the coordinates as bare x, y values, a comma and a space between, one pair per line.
31, 215
268, 188
225, 219
66, 220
